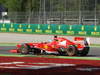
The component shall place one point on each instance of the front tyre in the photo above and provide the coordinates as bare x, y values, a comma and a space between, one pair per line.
24, 49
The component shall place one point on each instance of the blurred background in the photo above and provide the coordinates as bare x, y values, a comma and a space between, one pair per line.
79, 12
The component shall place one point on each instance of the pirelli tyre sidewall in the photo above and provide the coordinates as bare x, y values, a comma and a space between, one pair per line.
24, 49
72, 50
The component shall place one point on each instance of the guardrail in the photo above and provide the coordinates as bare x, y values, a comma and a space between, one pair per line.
81, 30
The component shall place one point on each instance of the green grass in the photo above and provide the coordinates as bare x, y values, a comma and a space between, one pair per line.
52, 56
95, 45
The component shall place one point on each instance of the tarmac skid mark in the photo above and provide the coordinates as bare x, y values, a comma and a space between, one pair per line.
48, 66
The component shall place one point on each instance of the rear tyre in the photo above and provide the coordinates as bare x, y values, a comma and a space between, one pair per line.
72, 50
84, 52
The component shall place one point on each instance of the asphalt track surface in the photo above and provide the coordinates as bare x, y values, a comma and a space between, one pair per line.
94, 51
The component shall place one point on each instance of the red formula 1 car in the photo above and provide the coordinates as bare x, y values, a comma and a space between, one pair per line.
59, 45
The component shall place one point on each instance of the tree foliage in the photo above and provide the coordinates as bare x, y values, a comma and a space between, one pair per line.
50, 5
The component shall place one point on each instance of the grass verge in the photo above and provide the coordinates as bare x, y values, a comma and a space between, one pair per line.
52, 56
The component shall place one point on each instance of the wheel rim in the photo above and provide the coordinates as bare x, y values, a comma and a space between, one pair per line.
71, 51
24, 50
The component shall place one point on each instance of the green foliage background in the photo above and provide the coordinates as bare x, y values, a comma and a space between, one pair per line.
54, 5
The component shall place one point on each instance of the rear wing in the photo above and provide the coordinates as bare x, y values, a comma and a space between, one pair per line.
79, 38
84, 40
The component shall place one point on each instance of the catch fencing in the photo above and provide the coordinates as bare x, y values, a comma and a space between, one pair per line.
66, 17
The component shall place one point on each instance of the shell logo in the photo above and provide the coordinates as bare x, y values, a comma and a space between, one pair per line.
45, 46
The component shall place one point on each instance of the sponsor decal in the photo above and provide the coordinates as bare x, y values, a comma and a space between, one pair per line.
45, 46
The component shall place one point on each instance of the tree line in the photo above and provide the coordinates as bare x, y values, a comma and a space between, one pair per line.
49, 5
